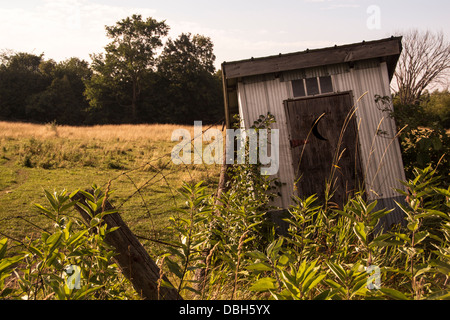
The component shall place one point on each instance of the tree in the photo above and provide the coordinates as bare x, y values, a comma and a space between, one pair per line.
63, 100
194, 91
38, 90
438, 106
187, 54
20, 79
128, 58
424, 61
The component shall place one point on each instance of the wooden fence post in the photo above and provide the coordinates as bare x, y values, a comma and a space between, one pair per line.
133, 259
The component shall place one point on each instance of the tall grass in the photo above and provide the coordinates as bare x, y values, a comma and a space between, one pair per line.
119, 147
136, 158
324, 255
123, 132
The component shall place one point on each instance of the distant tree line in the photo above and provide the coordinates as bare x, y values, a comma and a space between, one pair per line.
128, 83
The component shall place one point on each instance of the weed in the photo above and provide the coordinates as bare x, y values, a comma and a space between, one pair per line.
115, 165
71, 250
326, 254
26, 162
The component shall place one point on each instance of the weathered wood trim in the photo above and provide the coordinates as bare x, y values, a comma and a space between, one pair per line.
313, 58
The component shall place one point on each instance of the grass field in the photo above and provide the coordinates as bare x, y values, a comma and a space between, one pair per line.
136, 158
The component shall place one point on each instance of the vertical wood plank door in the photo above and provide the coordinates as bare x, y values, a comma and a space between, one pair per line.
324, 145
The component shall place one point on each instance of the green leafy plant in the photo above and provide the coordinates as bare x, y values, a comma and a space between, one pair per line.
426, 271
346, 252
348, 281
7, 265
423, 135
290, 279
72, 261
190, 227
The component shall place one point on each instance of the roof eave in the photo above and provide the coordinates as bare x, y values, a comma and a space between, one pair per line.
389, 49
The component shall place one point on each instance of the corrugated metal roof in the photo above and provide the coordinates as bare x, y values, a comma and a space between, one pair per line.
388, 49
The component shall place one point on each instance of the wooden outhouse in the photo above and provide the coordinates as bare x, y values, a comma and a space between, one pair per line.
331, 128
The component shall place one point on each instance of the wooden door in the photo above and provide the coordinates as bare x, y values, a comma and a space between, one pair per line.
317, 140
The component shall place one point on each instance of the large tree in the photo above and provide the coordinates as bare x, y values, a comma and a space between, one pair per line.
63, 100
424, 61
20, 79
35, 89
128, 58
194, 91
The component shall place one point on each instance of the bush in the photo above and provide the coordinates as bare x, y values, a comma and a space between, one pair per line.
423, 136
224, 248
328, 254
72, 261
437, 106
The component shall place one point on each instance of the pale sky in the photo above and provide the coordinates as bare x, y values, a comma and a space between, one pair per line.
239, 29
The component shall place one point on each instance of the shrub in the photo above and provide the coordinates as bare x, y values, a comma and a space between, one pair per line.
72, 261
327, 254
221, 251
423, 135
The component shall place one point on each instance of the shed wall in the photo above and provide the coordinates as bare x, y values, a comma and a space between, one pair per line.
380, 154
380, 151
259, 98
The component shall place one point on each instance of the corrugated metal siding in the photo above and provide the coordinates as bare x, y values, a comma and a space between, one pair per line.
381, 158
277, 94
380, 154
259, 98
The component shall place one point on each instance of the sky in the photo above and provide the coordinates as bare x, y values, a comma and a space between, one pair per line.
239, 29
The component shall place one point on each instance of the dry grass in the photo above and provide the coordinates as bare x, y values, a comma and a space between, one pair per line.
149, 132
108, 146
137, 158
103, 146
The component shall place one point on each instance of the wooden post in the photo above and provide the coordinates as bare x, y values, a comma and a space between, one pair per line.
133, 259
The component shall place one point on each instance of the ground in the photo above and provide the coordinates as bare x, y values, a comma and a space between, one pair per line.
136, 158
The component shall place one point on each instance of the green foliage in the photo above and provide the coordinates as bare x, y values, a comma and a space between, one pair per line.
423, 133
20, 80
70, 262
119, 74
427, 221
190, 227
192, 89
7, 265
129, 83
62, 101
35, 89
132, 84
327, 254
217, 232
437, 105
